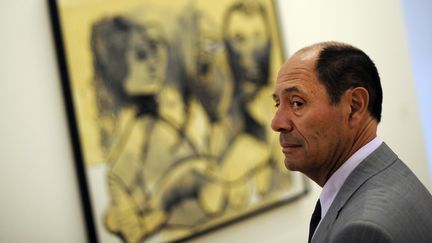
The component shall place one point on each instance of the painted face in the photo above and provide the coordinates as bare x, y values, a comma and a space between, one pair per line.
147, 60
313, 132
249, 49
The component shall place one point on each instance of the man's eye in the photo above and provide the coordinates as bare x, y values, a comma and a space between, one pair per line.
297, 104
276, 105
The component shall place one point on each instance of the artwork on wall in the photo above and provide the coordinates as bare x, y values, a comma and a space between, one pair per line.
170, 107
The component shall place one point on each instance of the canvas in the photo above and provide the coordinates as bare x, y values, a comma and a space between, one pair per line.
170, 106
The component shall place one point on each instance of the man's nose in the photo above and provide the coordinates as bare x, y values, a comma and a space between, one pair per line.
281, 121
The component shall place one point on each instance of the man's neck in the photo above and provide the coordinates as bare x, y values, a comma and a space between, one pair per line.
360, 138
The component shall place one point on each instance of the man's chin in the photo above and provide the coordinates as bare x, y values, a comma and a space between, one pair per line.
291, 165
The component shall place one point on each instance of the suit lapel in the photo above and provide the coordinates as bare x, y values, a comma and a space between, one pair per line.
380, 159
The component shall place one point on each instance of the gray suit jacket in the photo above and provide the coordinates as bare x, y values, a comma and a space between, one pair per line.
381, 201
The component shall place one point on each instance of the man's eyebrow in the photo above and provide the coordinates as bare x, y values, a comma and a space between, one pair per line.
291, 90
286, 90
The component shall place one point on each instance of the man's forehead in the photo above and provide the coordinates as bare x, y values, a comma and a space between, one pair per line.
296, 70
286, 90
297, 73
306, 55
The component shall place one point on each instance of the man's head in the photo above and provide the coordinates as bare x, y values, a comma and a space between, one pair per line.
328, 99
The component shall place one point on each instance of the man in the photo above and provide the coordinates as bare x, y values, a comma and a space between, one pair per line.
328, 98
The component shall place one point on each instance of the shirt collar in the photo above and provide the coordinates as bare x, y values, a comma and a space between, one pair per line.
335, 182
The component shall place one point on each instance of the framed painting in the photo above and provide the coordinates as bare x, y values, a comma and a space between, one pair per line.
169, 106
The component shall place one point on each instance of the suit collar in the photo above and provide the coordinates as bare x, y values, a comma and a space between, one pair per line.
377, 161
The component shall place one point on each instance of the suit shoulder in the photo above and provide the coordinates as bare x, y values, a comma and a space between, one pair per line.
392, 202
361, 231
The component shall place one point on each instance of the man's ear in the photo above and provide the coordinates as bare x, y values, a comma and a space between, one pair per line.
359, 102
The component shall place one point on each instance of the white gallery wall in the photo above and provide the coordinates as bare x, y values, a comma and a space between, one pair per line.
418, 16
39, 196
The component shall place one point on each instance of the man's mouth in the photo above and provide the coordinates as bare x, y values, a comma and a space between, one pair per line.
287, 148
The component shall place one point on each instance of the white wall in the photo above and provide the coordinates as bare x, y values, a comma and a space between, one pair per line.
417, 21
39, 198
39, 193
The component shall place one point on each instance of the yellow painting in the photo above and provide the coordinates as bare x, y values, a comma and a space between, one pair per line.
172, 109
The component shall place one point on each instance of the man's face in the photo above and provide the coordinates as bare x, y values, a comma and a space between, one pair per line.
313, 132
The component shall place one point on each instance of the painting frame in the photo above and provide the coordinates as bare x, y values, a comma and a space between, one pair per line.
88, 197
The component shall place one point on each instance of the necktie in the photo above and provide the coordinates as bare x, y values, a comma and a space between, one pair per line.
315, 219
